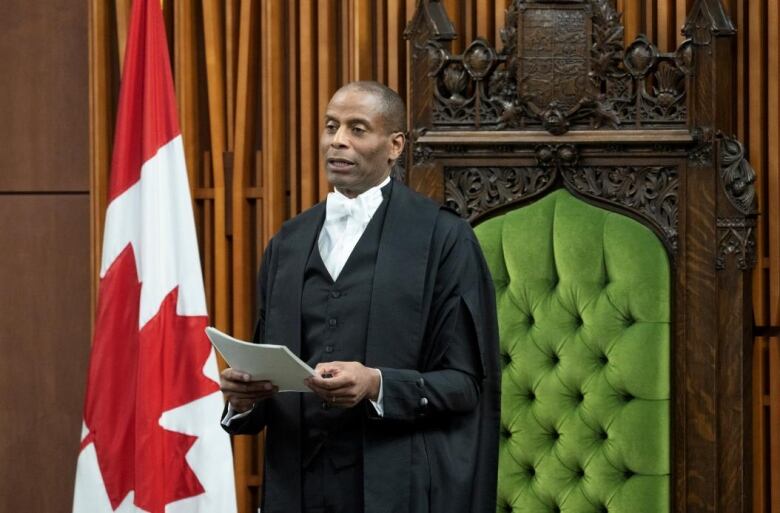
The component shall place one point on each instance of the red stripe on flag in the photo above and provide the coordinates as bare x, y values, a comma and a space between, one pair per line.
146, 119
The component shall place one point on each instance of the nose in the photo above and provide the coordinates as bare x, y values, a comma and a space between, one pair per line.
339, 139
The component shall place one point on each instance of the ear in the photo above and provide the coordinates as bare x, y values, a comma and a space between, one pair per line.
397, 143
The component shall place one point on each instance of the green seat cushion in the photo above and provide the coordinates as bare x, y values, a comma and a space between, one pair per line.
583, 300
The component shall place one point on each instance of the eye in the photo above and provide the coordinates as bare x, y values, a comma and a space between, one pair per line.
357, 130
331, 127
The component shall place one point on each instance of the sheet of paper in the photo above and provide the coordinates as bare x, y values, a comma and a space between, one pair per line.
263, 361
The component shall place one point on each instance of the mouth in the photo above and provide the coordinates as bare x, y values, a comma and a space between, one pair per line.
339, 164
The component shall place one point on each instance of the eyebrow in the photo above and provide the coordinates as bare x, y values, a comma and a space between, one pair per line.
350, 121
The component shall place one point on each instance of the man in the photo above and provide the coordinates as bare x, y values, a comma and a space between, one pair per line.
388, 297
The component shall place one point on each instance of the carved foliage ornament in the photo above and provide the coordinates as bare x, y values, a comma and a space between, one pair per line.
651, 192
737, 175
474, 191
736, 237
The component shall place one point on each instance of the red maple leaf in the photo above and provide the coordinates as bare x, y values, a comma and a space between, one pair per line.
134, 377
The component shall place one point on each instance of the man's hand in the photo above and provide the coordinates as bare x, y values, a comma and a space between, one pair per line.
348, 383
241, 392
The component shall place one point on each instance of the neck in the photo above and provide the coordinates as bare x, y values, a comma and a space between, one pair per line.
354, 193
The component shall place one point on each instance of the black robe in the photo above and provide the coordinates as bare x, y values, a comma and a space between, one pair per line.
433, 450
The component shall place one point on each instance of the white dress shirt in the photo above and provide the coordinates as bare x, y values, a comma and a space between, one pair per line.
345, 221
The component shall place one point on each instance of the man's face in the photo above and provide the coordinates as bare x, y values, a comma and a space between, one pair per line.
356, 146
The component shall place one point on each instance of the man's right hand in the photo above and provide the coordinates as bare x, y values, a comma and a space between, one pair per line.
242, 392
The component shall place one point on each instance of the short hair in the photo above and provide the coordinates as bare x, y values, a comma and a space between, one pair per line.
393, 107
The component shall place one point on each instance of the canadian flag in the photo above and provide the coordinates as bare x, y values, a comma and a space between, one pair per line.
151, 439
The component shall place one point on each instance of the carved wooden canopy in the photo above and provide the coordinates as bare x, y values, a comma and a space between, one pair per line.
565, 103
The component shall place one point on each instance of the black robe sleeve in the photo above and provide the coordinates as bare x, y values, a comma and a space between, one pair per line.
452, 368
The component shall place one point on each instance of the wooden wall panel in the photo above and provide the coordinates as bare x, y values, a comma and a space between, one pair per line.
253, 80
44, 96
44, 338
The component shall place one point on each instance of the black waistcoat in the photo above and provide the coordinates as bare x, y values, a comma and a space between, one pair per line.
334, 324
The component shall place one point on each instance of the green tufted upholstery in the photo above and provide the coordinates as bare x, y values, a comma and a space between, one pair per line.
584, 309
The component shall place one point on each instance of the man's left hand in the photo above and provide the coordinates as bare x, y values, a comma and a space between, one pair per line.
344, 384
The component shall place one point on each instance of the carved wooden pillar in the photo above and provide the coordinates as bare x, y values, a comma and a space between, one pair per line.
429, 33
720, 216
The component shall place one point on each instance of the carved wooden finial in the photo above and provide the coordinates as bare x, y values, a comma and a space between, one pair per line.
430, 19
707, 18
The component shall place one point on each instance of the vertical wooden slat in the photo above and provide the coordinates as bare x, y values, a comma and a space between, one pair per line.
681, 13
454, 9
122, 26
499, 20
327, 71
395, 45
362, 40
633, 18
242, 261
213, 33
274, 105
774, 424
760, 437
101, 86
469, 21
485, 19
773, 161
380, 45
755, 144
308, 101
347, 19
773, 239
293, 132
649, 28
186, 81
231, 40
246, 84
665, 17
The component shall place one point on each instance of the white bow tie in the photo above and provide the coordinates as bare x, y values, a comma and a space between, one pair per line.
358, 209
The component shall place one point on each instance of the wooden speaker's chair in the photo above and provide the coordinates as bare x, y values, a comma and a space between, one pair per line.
616, 215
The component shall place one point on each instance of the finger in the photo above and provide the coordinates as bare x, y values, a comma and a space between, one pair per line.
235, 375
229, 385
337, 381
252, 387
